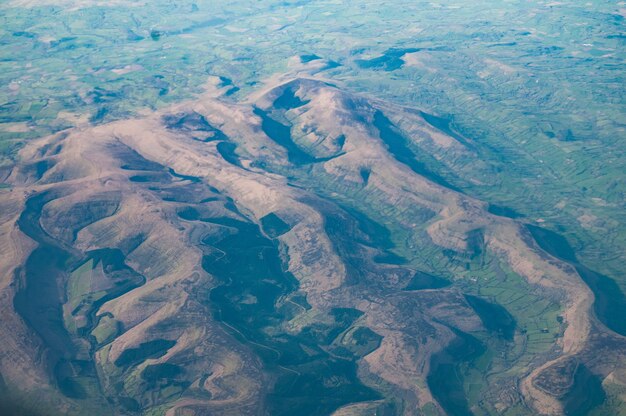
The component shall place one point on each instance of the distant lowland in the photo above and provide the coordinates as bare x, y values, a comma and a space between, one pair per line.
312, 208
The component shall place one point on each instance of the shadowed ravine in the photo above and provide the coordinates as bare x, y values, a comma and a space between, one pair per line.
249, 303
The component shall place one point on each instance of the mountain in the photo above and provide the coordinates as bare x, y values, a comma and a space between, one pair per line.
303, 250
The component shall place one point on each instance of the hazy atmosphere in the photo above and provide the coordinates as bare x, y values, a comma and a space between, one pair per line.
312, 207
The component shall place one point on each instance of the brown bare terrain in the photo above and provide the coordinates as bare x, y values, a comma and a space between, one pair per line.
148, 200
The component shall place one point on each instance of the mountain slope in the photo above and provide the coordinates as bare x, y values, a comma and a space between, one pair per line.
303, 250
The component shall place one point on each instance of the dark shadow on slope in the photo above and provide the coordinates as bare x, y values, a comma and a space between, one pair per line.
610, 302
309, 58
288, 100
281, 135
445, 125
37, 298
503, 211
273, 225
250, 301
227, 151
495, 317
388, 61
399, 148
445, 378
422, 280
585, 394
194, 124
